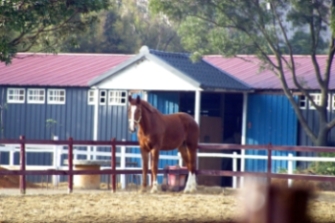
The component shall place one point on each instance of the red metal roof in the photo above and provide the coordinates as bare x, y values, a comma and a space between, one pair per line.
42, 69
247, 70
57, 70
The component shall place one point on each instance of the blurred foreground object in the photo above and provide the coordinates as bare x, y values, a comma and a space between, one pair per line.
274, 204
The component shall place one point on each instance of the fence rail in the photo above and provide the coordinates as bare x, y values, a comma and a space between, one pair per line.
113, 170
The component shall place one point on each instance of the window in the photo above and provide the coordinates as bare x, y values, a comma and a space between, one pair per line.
56, 96
302, 102
333, 102
36, 96
91, 97
317, 100
15, 95
117, 97
102, 98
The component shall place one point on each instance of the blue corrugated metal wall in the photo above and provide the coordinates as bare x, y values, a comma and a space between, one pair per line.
75, 118
270, 119
113, 122
312, 118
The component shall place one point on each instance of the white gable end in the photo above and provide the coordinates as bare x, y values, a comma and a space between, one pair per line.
147, 75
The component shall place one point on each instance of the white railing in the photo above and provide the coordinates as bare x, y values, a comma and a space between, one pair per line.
290, 158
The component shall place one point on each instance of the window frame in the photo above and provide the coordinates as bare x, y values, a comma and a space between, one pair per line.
35, 101
310, 105
91, 98
54, 102
103, 97
317, 95
115, 97
303, 99
16, 101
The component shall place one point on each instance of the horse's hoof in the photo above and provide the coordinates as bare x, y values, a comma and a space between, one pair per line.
153, 191
187, 191
190, 191
142, 190
193, 190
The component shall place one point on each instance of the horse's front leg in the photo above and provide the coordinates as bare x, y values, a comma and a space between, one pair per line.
154, 169
145, 156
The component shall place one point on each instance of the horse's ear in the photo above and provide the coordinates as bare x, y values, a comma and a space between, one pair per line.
138, 99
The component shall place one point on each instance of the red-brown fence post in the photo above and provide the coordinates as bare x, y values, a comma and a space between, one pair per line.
269, 148
113, 163
22, 165
70, 162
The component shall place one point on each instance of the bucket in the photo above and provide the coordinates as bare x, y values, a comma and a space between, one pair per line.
174, 181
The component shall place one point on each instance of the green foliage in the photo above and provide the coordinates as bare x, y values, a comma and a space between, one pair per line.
324, 168
51, 124
245, 27
124, 29
41, 25
302, 44
262, 28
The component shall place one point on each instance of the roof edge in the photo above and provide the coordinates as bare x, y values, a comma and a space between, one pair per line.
228, 74
115, 69
174, 70
144, 52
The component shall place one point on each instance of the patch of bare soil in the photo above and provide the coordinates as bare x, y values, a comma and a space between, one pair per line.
206, 205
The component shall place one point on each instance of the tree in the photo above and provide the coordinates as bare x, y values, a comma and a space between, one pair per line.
301, 43
40, 25
147, 28
264, 28
124, 29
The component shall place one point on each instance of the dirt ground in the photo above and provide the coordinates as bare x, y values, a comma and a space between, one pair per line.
206, 205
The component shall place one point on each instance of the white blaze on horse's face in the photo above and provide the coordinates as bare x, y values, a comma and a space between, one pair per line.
132, 118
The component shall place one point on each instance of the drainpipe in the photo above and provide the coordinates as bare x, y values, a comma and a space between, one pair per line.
95, 120
197, 110
197, 106
244, 133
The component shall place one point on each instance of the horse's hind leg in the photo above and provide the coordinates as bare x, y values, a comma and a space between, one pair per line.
191, 184
184, 155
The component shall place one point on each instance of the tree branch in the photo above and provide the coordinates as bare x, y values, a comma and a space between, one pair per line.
331, 124
313, 53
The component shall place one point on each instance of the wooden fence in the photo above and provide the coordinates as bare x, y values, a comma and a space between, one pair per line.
203, 147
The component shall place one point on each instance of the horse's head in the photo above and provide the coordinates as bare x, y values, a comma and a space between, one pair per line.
134, 113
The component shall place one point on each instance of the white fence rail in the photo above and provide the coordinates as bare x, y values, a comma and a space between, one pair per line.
290, 158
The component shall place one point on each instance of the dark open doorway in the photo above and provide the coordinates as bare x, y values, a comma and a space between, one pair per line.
221, 122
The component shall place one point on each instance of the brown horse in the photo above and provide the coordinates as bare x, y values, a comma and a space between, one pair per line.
163, 132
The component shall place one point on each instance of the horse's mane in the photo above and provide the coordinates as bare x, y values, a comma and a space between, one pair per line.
148, 107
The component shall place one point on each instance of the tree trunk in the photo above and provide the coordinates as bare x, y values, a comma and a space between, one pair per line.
322, 139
